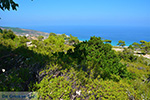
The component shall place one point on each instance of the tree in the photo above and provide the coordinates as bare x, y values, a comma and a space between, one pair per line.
107, 41
65, 36
40, 38
136, 45
142, 43
146, 47
7, 4
131, 47
97, 58
23, 39
121, 43
1, 35
8, 34
127, 55
54, 43
5, 31
1, 30
52, 34
73, 40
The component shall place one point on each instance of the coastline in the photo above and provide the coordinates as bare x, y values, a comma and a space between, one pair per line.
113, 43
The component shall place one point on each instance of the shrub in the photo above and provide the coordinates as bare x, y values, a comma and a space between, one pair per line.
128, 55
8, 34
97, 58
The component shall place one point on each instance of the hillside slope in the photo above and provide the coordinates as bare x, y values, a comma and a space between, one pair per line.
20, 31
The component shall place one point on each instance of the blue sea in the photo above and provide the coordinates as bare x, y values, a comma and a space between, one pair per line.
129, 34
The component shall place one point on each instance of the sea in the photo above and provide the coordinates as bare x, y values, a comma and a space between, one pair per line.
129, 34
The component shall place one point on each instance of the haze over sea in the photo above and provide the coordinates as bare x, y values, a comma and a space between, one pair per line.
129, 34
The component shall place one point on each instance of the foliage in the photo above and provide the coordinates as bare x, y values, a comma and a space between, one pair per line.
23, 39
7, 4
1, 35
121, 43
52, 34
73, 40
131, 47
72, 84
16, 80
1, 30
128, 55
65, 36
142, 41
136, 45
40, 38
8, 34
107, 41
54, 43
88, 70
96, 58
146, 47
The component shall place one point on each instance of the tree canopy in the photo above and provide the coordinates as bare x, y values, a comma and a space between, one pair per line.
73, 40
88, 70
8, 34
98, 59
107, 41
1, 30
7, 4
40, 38
121, 43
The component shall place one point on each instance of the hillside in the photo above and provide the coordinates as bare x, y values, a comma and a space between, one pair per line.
59, 70
20, 31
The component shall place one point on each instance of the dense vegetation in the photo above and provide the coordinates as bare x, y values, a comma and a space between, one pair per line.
61, 67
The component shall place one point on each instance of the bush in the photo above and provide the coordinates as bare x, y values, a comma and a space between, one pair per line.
64, 84
128, 55
8, 34
97, 58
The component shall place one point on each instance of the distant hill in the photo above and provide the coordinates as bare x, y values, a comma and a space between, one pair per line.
20, 31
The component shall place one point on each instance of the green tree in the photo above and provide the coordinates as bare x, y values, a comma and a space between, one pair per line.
131, 47
1, 35
107, 41
5, 31
127, 55
121, 43
8, 34
146, 47
98, 58
142, 43
40, 38
23, 39
136, 45
52, 34
73, 40
7, 4
65, 36
1, 31
36, 42
54, 43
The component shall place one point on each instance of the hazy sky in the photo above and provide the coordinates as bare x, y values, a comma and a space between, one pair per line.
78, 12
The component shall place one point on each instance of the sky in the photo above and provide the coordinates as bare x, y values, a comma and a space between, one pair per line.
78, 12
